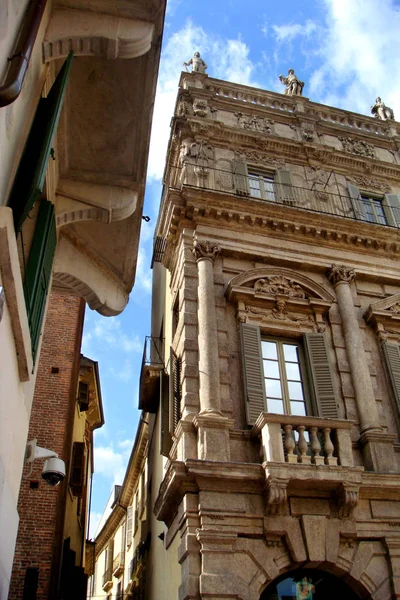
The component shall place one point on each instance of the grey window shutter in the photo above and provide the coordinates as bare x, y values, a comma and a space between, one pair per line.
253, 372
356, 202
241, 177
129, 517
392, 355
174, 390
166, 439
391, 206
320, 375
283, 187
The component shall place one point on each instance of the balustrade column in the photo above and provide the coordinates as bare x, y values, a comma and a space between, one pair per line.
210, 401
342, 277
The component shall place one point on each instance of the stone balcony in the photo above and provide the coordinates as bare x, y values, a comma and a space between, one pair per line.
107, 581
307, 455
118, 565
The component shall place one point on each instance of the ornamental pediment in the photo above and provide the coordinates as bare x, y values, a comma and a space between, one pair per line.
384, 315
280, 299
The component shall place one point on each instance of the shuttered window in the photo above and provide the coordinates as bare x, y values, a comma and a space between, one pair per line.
392, 356
30, 177
166, 438
77, 476
129, 521
175, 391
383, 210
38, 270
274, 373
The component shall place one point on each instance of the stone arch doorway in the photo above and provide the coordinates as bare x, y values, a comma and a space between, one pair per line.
308, 584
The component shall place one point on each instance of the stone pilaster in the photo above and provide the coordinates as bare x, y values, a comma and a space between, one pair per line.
342, 277
212, 427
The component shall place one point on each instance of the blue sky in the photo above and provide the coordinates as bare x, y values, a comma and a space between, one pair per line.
346, 51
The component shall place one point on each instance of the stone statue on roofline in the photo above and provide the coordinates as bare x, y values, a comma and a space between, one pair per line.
197, 63
381, 111
294, 87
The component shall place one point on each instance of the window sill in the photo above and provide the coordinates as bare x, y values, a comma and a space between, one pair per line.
15, 301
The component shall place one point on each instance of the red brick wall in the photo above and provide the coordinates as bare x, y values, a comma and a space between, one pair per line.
42, 510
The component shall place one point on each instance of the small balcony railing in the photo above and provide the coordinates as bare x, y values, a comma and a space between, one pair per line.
305, 440
107, 580
118, 565
318, 197
152, 366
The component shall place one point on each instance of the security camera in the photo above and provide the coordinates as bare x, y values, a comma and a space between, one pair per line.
53, 471
54, 468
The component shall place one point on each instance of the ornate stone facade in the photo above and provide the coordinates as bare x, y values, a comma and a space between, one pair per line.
281, 271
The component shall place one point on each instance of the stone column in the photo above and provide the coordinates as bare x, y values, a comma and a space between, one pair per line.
341, 277
212, 426
210, 400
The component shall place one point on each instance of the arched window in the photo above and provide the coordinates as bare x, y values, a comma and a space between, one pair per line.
308, 584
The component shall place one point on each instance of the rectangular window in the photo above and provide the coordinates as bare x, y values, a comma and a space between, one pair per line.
77, 477
374, 211
261, 186
283, 377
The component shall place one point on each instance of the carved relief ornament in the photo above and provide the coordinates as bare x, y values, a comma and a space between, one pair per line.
277, 284
260, 157
358, 147
254, 123
384, 316
369, 182
341, 274
205, 249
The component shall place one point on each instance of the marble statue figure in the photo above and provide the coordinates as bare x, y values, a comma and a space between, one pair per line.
381, 111
294, 87
198, 64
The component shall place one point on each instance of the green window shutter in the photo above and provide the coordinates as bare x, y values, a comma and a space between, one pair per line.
283, 187
392, 356
320, 375
29, 180
76, 480
391, 207
241, 177
174, 390
166, 438
38, 270
356, 202
253, 372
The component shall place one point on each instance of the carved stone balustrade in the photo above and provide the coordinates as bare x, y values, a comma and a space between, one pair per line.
305, 440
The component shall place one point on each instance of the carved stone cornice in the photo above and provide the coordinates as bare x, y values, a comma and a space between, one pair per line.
341, 274
205, 249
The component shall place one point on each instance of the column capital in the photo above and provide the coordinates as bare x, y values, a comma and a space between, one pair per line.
341, 274
205, 249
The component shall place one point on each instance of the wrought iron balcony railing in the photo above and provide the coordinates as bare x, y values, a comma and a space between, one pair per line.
321, 198
152, 366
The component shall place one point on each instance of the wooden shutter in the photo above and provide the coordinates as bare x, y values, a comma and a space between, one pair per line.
283, 187
129, 519
83, 396
391, 207
392, 356
320, 375
38, 270
356, 202
166, 438
29, 180
77, 476
241, 177
174, 391
253, 372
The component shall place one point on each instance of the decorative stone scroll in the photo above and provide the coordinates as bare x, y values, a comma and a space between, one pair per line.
205, 249
369, 182
260, 157
276, 495
348, 499
341, 274
358, 147
277, 284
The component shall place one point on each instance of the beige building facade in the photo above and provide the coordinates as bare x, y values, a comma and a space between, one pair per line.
76, 101
275, 304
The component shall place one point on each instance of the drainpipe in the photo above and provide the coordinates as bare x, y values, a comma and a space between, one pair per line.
19, 61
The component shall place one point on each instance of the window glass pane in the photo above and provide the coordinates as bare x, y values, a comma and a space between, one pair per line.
298, 408
273, 388
275, 406
271, 369
290, 352
295, 390
269, 350
292, 371
268, 188
254, 185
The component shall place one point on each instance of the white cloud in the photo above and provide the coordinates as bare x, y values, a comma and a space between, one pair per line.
143, 272
108, 330
94, 521
360, 54
111, 464
289, 31
125, 444
227, 59
124, 373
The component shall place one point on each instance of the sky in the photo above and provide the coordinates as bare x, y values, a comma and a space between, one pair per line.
346, 51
